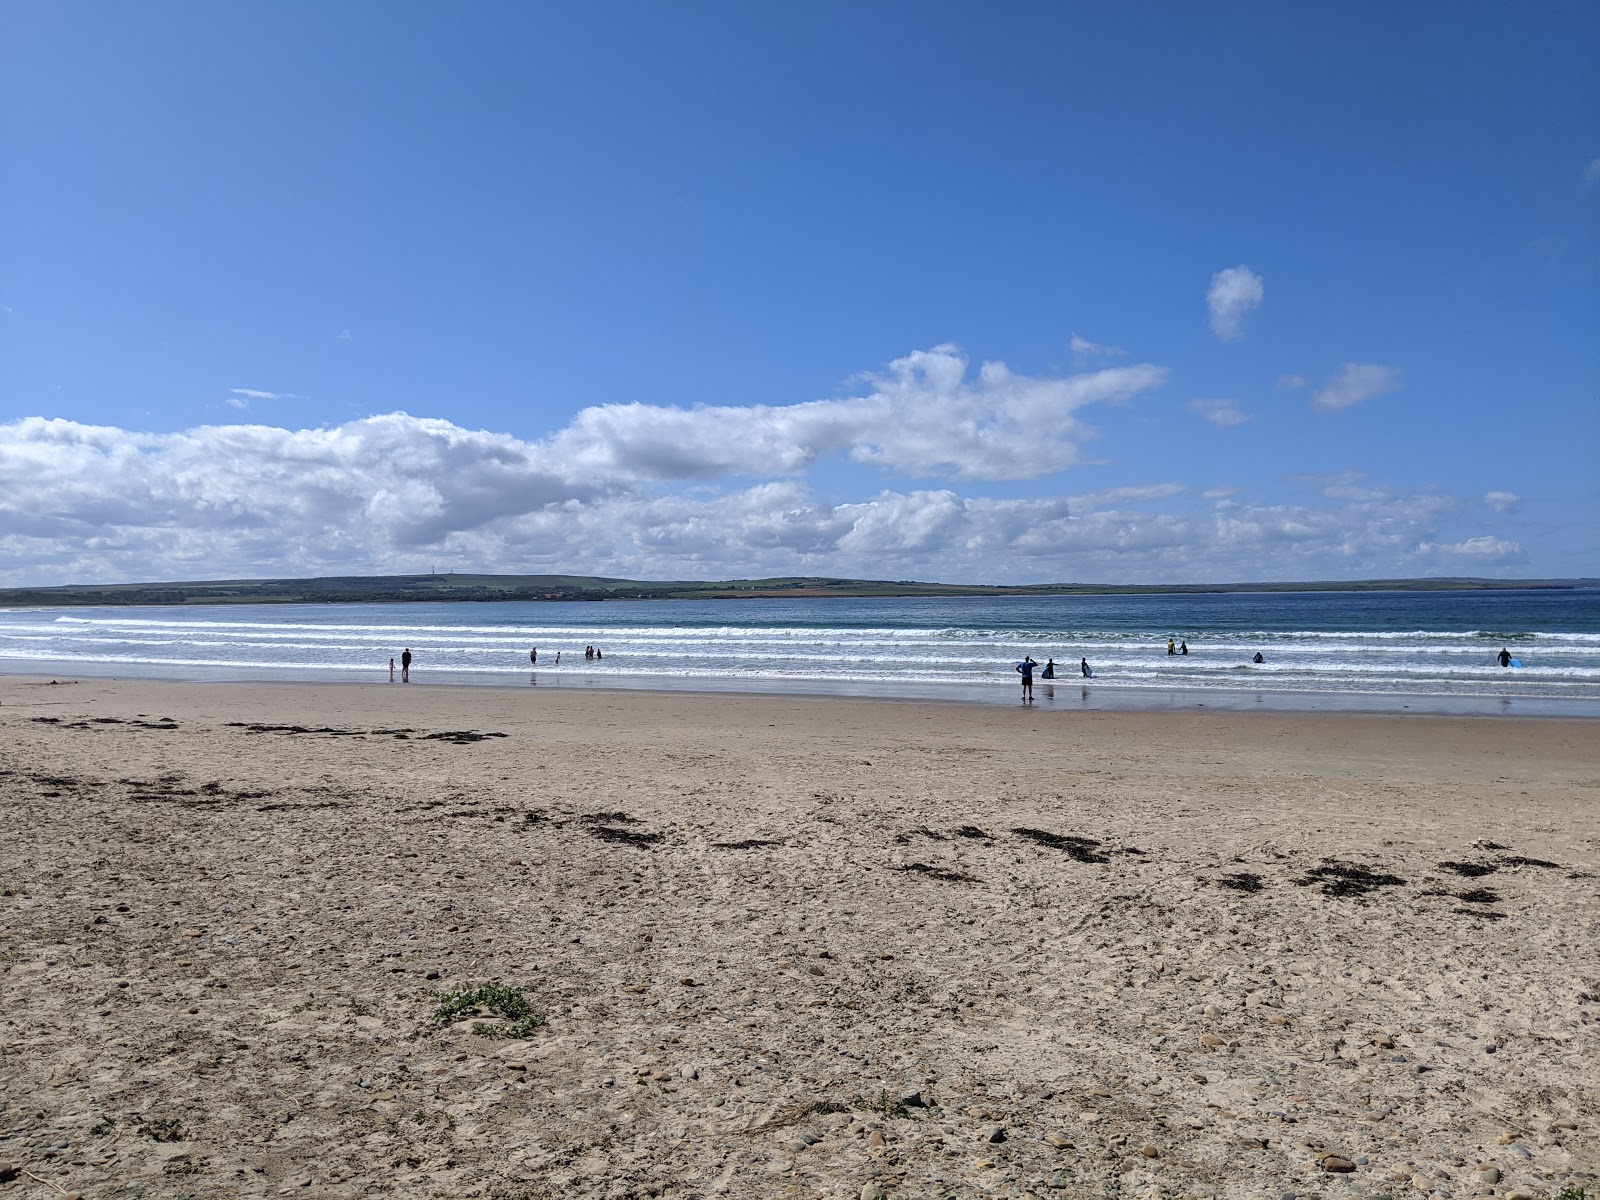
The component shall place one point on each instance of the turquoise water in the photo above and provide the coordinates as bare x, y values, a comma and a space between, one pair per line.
1370, 650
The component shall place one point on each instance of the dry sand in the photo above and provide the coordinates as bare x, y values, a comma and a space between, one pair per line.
809, 948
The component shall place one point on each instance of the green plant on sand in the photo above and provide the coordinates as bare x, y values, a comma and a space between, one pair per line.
521, 1018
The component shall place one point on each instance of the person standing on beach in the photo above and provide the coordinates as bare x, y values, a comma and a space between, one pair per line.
1025, 669
1171, 646
533, 657
1049, 671
405, 665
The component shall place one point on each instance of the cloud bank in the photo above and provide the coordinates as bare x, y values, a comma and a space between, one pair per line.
657, 493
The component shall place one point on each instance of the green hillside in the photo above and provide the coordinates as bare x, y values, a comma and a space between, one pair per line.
349, 589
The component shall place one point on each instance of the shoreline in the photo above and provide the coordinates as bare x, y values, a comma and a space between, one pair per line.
1064, 695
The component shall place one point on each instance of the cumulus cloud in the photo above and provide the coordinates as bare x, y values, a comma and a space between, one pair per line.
1356, 383
1502, 501
1224, 414
924, 416
1233, 293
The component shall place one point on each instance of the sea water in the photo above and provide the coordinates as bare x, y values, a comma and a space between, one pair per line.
1427, 651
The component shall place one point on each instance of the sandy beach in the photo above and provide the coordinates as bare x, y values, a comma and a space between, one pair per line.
779, 947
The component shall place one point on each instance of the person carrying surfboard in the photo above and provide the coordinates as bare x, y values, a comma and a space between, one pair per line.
1504, 656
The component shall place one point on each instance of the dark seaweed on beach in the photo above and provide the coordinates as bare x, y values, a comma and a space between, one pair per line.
939, 873
45, 720
1516, 860
1347, 879
60, 781
1471, 870
747, 844
1483, 914
919, 831
1243, 881
972, 831
1080, 849
610, 818
628, 837
328, 729
1481, 896
460, 737
1490, 846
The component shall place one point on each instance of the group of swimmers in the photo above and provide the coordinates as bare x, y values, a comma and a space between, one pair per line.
1028, 663
589, 652
1026, 667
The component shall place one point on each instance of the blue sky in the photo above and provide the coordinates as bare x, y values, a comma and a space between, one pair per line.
709, 290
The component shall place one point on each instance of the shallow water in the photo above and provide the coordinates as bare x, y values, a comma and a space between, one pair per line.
1388, 651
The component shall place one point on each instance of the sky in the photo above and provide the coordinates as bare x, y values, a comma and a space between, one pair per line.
1017, 293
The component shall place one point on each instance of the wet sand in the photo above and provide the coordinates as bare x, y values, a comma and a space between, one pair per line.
787, 947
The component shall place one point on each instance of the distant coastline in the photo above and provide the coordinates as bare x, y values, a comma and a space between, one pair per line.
394, 589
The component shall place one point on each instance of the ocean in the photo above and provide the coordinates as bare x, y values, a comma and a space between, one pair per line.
1373, 651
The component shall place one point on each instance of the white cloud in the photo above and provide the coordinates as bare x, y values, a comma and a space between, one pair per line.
1291, 381
1474, 552
1233, 293
1083, 350
648, 491
1591, 173
1224, 414
1355, 383
253, 394
385, 494
1502, 501
922, 417
1111, 497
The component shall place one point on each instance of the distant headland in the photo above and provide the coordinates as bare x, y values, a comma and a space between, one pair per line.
392, 589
